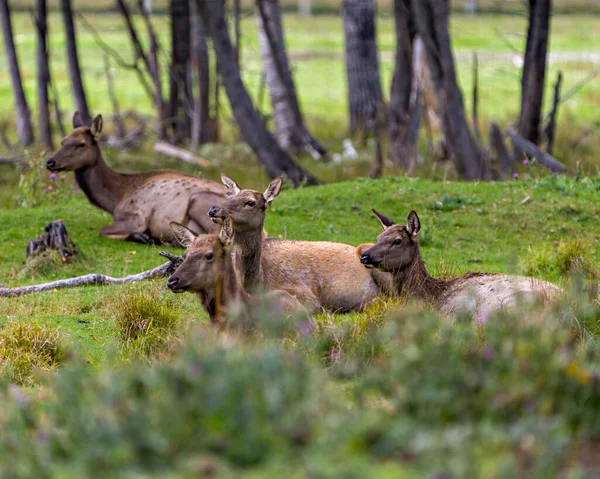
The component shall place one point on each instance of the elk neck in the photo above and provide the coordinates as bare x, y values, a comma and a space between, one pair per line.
103, 186
250, 246
415, 282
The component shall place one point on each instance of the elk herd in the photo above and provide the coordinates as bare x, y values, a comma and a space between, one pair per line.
232, 264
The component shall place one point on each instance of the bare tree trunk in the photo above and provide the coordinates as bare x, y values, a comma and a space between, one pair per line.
431, 17
550, 129
43, 76
362, 65
291, 132
534, 70
276, 161
237, 12
201, 69
73, 61
179, 97
23, 115
402, 83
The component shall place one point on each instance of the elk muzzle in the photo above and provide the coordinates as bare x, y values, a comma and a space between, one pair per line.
51, 163
174, 285
368, 261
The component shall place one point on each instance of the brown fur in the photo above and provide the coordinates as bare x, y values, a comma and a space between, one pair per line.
142, 204
210, 270
320, 274
397, 251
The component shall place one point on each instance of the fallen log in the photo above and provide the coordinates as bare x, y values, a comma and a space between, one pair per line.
530, 149
181, 154
96, 279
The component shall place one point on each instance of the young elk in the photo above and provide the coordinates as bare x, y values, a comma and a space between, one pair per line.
209, 269
320, 274
397, 251
142, 204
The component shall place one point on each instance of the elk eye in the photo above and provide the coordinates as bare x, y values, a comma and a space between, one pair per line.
209, 256
81, 145
250, 203
397, 242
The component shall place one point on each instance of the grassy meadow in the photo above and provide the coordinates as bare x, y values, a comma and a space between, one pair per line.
132, 382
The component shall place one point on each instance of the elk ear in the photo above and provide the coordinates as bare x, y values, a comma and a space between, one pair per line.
273, 190
96, 127
232, 187
413, 224
182, 234
77, 121
227, 233
384, 220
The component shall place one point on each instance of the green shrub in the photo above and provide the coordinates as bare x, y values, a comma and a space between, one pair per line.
148, 322
28, 348
562, 258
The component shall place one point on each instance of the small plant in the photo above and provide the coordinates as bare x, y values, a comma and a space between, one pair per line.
37, 185
562, 258
451, 203
26, 348
147, 323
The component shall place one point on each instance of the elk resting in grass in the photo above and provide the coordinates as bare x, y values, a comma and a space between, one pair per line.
209, 269
397, 252
320, 274
142, 204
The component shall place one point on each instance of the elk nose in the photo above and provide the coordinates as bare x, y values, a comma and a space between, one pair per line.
365, 258
50, 163
172, 283
213, 211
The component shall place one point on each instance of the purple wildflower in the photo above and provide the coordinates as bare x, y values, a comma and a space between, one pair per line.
488, 352
525, 161
304, 328
52, 176
17, 395
482, 318
516, 176
553, 176
75, 191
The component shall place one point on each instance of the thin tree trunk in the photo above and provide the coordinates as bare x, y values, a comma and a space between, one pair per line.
431, 17
276, 161
201, 68
550, 129
179, 98
362, 65
402, 83
43, 76
237, 12
291, 131
73, 62
534, 70
23, 115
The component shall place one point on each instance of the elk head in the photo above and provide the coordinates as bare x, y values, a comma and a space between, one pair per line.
397, 247
79, 149
247, 208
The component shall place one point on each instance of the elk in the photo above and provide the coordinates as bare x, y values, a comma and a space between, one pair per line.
142, 204
210, 270
397, 252
322, 275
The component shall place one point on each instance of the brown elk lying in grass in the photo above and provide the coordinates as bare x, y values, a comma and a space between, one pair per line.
142, 204
209, 270
320, 274
397, 251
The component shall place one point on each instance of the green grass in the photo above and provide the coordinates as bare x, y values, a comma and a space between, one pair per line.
485, 226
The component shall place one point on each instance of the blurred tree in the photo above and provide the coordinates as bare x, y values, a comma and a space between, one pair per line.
292, 133
201, 74
431, 19
276, 161
365, 99
401, 106
43, 75
179, 87
534, 70
73, 62
23, 115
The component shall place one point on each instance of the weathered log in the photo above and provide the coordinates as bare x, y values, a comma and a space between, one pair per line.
55, 238
530, 149
96, 279
497, 145
181, 154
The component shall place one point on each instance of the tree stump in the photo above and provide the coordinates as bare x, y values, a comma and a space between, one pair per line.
55, 238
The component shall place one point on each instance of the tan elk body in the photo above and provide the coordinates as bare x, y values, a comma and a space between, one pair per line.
320, 274
210, 271
479, 294
142, 204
